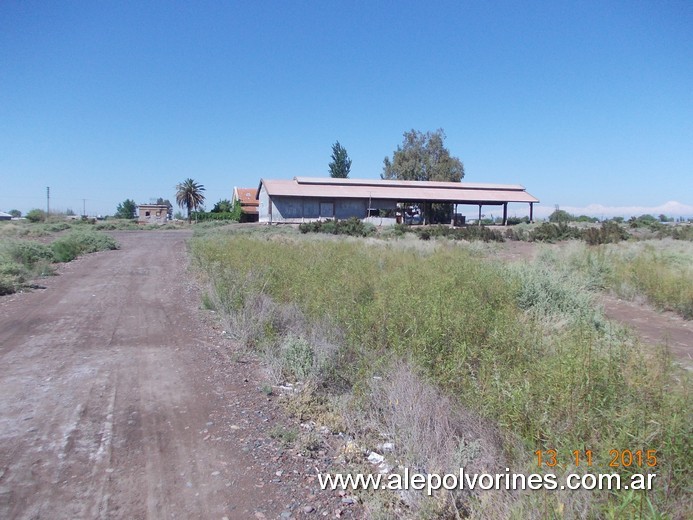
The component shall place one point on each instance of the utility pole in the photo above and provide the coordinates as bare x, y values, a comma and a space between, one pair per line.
48, 201
84, 207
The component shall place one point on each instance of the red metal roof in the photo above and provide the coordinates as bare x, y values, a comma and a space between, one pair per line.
402, 191
247, 196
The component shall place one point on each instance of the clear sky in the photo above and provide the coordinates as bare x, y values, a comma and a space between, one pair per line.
587, 102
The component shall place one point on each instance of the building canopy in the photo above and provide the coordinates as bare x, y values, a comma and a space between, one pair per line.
400, 191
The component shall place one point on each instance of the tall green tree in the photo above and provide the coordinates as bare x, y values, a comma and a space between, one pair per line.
165, 202
223, 206
189, 195
126, 209
341, 164
423, 157
560, 215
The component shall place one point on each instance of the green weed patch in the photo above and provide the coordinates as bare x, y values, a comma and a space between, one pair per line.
524, 350
21, 260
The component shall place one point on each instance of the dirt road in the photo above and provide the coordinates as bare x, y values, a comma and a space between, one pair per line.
115, 401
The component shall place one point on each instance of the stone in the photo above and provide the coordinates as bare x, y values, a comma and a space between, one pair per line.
375, 458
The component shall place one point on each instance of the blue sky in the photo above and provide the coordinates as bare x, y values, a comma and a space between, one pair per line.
584, 103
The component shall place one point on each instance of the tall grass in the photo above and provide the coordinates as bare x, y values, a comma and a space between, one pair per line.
523, 350
657, 271
30, 230
26, 229
22, 260
661, 271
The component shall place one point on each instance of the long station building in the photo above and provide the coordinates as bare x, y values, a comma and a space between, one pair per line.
304, 199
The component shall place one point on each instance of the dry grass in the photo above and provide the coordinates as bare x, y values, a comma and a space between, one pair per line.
430, 433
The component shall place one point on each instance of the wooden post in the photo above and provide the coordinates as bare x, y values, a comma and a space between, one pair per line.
531, 212
505, 214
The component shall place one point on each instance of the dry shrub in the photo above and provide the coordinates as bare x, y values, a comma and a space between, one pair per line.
295, 348
432, 434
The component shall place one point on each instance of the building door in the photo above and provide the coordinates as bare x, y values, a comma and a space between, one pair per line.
326, 209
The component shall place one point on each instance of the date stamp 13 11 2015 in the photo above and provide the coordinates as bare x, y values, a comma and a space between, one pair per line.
616, 458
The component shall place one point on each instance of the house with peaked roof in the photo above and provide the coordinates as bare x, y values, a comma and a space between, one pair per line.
303, 199
249, 203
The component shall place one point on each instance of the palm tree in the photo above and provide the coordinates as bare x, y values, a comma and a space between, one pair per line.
189, 195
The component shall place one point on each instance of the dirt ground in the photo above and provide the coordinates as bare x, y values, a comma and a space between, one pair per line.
653, 327
119, 400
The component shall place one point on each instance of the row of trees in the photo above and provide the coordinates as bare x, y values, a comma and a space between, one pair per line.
420, 157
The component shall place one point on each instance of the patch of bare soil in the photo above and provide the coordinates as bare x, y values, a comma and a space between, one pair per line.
514, 251
652, 327
120, 400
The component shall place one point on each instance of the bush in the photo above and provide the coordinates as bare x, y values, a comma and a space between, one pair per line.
113, 224
547, 232
514, 221
469, 233
203, 216
65, 250
559, 296
69, 247
28, 253
644, 221
36, 215
11, 276
297, 357
609, 233
20, 260
352, 227
679, 232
